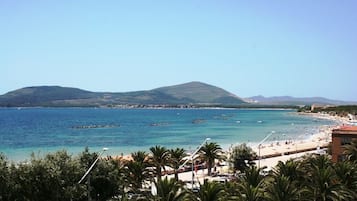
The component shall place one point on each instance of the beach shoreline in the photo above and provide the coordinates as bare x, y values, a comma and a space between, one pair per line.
22, 154
272, 147
269, 154
286, 149
270, 151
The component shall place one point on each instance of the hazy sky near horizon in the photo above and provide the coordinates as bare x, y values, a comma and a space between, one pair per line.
299, 48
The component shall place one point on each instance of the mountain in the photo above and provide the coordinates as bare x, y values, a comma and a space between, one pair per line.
196, 93
199, 92
288, 100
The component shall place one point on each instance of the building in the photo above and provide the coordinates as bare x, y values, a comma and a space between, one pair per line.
341, 136
319, 107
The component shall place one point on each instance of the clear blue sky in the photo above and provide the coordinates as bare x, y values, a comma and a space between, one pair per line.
299, 48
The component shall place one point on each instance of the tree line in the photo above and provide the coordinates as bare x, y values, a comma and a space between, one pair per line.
56, 175
342, 110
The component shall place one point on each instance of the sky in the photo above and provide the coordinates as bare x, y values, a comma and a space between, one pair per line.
273, 48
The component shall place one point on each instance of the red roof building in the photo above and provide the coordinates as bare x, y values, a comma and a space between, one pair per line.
340, 137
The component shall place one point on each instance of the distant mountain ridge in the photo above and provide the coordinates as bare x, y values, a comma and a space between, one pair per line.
198, 91
192, 93
289, 100
188, 93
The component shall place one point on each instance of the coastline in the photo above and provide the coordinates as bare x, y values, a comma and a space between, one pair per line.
18, 155
272, 153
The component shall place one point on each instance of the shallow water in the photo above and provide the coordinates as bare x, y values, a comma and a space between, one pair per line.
43, 130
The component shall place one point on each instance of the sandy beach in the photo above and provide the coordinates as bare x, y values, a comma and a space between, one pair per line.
272, 153
316, 141
284, 150
267, 163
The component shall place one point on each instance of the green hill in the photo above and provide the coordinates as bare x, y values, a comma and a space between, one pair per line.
198, 92
56, 96
42, 96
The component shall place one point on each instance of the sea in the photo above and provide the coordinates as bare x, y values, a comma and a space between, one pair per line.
45, 130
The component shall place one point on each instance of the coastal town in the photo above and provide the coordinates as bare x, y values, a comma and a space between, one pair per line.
190, 175
178, 100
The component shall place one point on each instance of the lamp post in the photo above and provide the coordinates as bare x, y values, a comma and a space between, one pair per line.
260, 144
191, 158
88, 171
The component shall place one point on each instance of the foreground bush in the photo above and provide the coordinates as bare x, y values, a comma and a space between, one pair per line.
55, 178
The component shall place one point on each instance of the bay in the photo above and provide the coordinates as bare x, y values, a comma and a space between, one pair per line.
123, 131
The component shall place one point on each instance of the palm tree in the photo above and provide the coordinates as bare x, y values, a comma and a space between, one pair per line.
351, 150
159, 158
209, 153
231, 190
210, 191
169, 190
321, 180
140, 156
251, 185
310, 161
281, 188
137, 170
286, 181
323, 186
253, 177
175, 158
249, 192
289, 169
346, 171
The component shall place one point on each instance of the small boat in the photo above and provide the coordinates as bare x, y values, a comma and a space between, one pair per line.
198, 121
159, 124
93, 126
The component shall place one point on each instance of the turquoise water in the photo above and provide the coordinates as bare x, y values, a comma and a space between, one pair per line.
43, 130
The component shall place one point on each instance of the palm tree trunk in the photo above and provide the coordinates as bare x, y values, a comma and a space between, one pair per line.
158, 170
209, 166
176, 175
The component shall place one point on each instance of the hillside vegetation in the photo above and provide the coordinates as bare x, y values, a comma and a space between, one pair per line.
56, 96
342, 110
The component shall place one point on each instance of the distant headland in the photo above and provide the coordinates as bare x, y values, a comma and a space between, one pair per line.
187, 95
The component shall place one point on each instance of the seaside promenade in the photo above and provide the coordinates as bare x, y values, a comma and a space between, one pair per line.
270, 157
268, 163
272, 153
